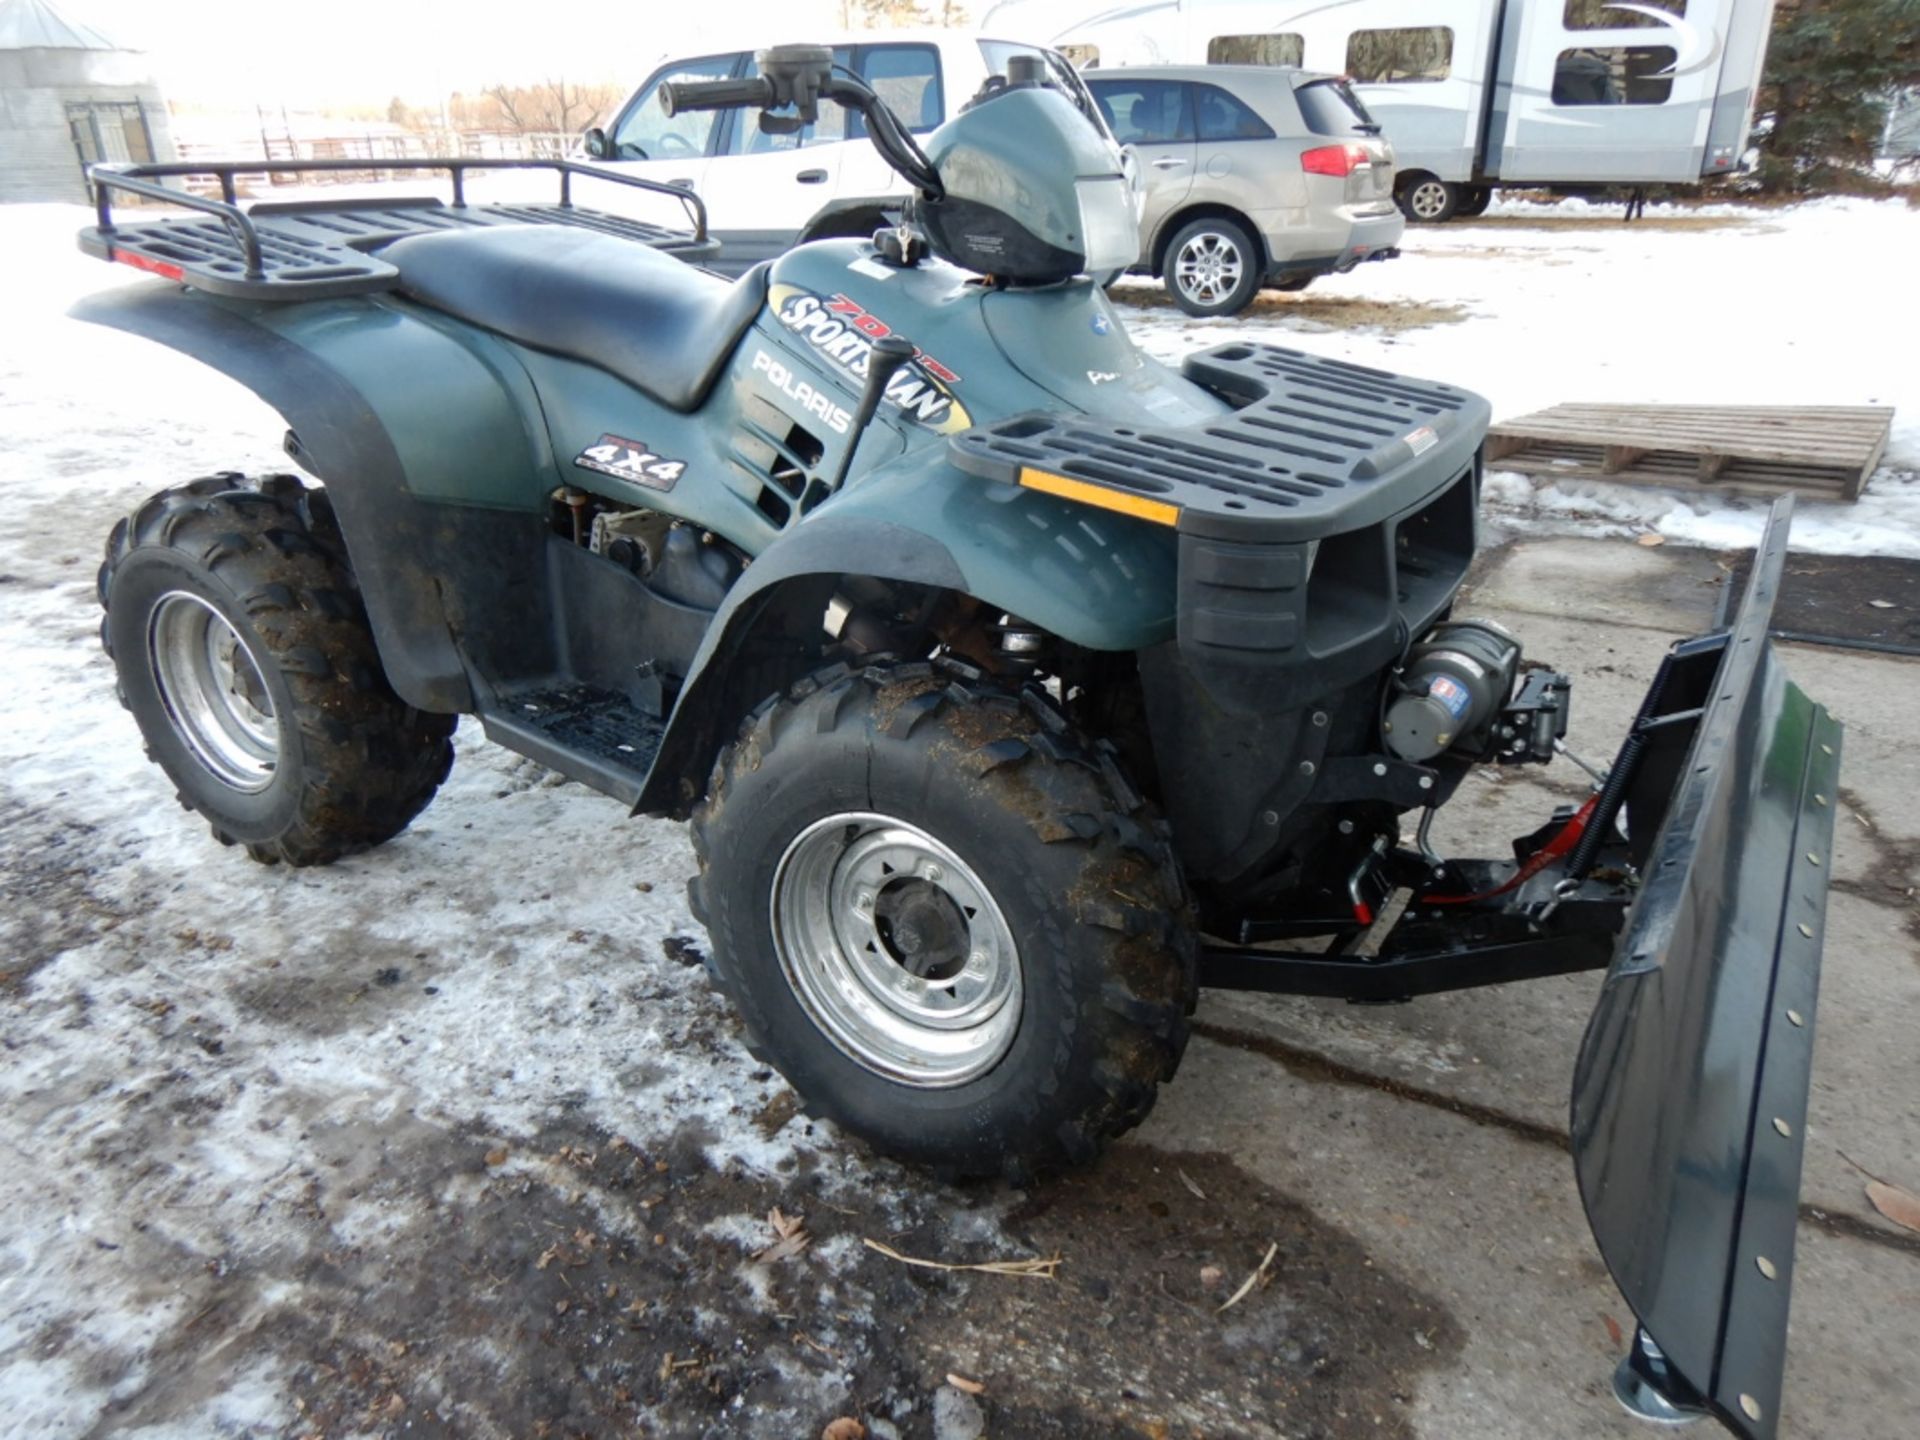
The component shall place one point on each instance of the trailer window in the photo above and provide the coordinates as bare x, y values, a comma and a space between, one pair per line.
1255, 50
1412, 54
1081, 57
1614, 75
1611, 15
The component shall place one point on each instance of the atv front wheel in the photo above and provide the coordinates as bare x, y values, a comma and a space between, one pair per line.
245, 656
946, 918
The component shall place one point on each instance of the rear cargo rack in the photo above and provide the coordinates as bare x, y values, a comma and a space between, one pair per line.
1314, 447
319, 249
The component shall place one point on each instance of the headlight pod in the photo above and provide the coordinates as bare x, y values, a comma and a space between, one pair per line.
1109, 223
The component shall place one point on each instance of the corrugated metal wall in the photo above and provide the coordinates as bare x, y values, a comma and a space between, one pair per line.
38, 160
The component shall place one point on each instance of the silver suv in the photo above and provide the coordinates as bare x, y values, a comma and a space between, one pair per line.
1253, 176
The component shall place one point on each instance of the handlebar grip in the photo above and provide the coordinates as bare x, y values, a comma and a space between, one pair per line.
681, 95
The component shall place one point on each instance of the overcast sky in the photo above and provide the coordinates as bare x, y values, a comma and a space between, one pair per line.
353, 51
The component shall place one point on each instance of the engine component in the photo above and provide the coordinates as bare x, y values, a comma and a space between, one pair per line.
635, 539
1453, 684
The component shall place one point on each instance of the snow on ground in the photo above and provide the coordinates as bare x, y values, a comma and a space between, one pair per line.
277, 1144
484, 999
1816, 304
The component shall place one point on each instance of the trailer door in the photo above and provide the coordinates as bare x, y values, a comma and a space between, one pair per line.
1609, 91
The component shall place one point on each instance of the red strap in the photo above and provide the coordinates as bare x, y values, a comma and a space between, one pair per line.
1568, 836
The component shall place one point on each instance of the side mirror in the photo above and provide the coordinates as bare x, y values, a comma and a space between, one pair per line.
595, 142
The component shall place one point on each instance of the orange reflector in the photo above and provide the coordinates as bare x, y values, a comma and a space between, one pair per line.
1138, 506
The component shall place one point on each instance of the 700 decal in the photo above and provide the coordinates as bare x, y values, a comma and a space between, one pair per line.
630, 460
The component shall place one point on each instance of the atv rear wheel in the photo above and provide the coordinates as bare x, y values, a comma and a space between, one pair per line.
946, 918
246, 658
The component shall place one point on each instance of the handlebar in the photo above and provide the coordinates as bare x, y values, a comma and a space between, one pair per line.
678, 96
801, 76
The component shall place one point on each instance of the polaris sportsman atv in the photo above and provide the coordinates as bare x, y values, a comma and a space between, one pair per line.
1015, 685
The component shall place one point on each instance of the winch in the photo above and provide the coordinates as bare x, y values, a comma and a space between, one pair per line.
1453, 685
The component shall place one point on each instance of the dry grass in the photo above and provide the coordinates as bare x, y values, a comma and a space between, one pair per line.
1611, 220
1338, 312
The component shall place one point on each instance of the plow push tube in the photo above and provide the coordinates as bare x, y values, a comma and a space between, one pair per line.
1690, 1091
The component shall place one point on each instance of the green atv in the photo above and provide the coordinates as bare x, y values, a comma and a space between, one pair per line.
1015, 685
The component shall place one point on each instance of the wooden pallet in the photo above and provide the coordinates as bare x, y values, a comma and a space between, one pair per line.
1827, 452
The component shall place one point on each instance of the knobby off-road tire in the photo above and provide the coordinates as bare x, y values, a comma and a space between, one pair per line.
855, 786
244, 653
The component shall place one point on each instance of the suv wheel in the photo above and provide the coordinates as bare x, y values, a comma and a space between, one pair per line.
1213, 267
1426, 200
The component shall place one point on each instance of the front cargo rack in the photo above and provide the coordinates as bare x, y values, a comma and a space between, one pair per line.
318, 249
1313, 447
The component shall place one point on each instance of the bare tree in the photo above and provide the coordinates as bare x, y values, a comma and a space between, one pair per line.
511, 102
555, 106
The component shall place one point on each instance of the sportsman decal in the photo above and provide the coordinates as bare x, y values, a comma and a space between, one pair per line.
843, 332
630, 460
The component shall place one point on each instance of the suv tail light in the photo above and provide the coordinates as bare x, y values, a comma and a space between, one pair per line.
1336, 160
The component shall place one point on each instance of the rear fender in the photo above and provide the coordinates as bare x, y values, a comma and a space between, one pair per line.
425, 477
1090, 577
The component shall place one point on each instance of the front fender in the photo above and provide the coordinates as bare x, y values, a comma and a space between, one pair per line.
1093, 578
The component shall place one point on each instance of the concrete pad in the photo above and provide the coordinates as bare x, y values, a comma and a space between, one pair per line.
1599, 583
1486, 1220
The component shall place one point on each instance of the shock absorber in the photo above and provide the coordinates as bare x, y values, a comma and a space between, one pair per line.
1018, 645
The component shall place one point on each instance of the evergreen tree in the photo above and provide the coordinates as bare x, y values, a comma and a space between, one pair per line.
1832, 69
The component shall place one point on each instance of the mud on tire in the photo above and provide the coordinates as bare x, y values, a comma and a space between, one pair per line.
1069, 853
245, 655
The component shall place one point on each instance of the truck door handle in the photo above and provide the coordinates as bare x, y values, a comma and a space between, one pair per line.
812, 177
1167, 162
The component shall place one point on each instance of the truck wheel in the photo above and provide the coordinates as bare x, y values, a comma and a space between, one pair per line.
245, 656
1426, 200
946, 918
1213, 267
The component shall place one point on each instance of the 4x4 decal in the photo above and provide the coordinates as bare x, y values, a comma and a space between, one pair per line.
843, 331
630, 460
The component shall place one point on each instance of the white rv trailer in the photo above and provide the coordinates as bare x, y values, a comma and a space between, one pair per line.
1473, 93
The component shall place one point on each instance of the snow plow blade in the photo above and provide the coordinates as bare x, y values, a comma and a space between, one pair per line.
1690, 1092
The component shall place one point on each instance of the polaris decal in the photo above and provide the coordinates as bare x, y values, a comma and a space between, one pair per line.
801, 393
843, 331
630, 460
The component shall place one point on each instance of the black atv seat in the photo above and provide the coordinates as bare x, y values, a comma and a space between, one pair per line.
659, 324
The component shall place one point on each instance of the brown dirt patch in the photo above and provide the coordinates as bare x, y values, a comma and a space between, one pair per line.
574, 1287
1612, 221
1338, 312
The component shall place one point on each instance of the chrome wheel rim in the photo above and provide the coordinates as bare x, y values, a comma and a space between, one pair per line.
896, 950
214, 691
1428, 199
1208, 268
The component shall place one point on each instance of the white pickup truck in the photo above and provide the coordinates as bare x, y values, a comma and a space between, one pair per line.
766, 192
